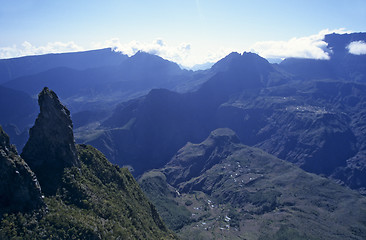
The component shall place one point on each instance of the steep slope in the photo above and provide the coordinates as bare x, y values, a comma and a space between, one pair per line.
20, 190
96, 201
86, 196
237, 192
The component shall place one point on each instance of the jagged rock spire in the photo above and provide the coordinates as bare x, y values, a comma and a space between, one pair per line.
51, 144
19, 188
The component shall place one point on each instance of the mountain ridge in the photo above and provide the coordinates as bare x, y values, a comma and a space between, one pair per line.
315, 124
22, 66
340, 65
242, 192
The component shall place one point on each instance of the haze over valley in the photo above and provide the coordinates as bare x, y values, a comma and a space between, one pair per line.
194, 120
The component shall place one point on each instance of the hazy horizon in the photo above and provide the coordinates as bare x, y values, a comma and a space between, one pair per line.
188, 33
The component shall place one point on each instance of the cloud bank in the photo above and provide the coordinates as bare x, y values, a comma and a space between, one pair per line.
304, 47
27, 49
188, 55
357, 48
157, 47
182, 54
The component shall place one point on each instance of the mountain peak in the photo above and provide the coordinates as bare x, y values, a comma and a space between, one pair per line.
224, 136
51, 144
194, 159
236, 61
49, 104
146, 65
146, 57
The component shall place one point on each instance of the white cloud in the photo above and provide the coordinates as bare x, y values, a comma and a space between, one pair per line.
27, 49
304, 47
189, 55
357, 48
182, 53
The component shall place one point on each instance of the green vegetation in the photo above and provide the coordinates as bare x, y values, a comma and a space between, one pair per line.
250, 194
161, 194
288, 233
96, 201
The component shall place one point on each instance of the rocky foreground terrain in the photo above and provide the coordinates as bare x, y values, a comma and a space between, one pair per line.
79, 194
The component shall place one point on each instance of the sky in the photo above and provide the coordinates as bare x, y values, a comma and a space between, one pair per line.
188, 32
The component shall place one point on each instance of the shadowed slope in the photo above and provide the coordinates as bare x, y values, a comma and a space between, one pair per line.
19, 188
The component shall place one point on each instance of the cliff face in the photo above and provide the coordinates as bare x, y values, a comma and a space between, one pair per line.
87, 197
51, 144
19, 188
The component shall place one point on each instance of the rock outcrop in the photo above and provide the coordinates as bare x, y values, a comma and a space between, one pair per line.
19, 189
87, 197
51, 144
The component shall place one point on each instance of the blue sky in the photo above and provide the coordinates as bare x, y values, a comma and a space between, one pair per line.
185, 31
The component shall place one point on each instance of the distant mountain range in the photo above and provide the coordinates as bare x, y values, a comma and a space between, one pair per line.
245, 149
24, 66
103, 84
308, 112
315, 123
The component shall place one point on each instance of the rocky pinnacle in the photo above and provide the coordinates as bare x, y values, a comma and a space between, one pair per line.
51, 145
